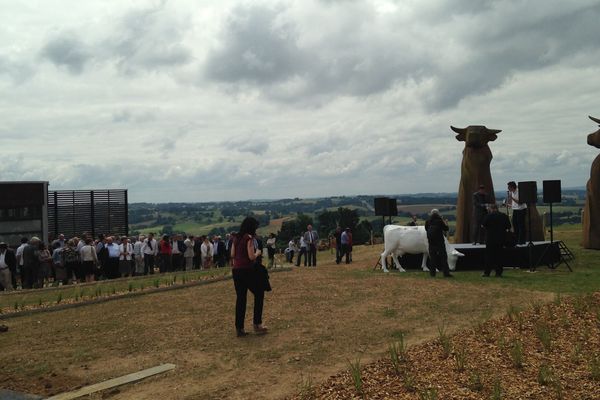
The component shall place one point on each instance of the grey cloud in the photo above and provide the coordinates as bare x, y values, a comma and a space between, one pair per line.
137, 116
148, 39
66, 50
364, 54
255, 48
519, 45
18, 71
248, 144
121, 116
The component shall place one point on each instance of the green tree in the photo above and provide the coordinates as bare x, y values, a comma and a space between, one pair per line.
295, 227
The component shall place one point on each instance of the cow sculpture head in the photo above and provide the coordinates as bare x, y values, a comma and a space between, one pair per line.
453, 255
593, 139
476, 135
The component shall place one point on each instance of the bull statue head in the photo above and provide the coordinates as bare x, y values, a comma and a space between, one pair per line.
476, 135
593, 139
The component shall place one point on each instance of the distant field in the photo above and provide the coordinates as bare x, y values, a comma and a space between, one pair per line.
273, 227
421, 208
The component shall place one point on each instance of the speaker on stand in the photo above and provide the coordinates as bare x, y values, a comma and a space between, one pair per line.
553, 194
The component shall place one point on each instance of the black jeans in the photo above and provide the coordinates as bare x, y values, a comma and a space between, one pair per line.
345, 251
439, 260
493, 252
518, 222
311, 254
245, 279
148, 264
302, 251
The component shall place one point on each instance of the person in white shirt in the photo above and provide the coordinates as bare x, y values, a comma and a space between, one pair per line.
188, 254
291, 249
301, 252
19, 255
125, 257
89, 259
518, 212
7, 262
150, 250
206, 251
138, 256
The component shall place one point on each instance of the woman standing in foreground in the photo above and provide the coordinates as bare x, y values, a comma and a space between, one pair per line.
244, 253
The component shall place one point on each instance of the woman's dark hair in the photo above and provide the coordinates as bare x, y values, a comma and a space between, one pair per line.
249, 225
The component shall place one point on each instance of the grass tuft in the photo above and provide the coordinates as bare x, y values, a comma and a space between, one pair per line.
545, 376
306, 388
497, 390
356, 373
516, 353
595, 368
445, 341
428, 394
475, 381
460, 358
542, 331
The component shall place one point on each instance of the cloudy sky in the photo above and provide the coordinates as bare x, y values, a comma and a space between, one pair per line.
227, 100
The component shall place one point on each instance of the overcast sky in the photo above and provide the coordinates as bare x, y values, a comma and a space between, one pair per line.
229, 100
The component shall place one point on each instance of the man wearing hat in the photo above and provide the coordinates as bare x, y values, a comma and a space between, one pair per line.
8, 266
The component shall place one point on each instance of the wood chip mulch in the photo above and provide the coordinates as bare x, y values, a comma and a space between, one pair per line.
549, 351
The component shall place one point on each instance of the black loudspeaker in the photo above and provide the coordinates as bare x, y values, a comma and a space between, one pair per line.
552, 192
528, 192
392, 207
382, 205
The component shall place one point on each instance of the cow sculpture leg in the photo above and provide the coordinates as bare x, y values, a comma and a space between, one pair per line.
424, 263
394, 257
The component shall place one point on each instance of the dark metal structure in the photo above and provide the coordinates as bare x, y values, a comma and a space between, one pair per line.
73, 212
23, 210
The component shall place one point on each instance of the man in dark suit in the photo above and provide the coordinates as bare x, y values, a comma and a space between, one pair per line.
221, 252
480, 199
435, 227
496, 224
8, 267
310, 238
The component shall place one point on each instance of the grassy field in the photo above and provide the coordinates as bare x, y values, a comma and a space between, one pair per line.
319, 318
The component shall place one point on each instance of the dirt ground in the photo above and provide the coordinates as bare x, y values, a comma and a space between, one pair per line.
319, 318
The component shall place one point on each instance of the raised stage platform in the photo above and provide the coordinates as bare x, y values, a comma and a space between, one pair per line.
541, 254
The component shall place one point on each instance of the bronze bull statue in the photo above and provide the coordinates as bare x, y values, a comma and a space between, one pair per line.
591, 212
474, 171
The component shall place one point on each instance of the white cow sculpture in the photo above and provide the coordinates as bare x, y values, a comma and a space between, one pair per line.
399, 240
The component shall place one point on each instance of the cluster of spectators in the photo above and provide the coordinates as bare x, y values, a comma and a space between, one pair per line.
34, 264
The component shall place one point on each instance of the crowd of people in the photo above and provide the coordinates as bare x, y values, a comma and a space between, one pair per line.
34, 264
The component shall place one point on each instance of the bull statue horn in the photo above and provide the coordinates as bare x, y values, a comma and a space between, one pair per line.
462, 133
596, 120
494, 131
461, 130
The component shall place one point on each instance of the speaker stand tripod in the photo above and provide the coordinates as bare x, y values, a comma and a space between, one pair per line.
565, 255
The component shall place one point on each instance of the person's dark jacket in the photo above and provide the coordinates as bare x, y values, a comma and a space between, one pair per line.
496, 224
10, 259
30, 256
435, 228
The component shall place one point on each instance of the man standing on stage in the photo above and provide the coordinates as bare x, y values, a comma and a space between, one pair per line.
310, 238
518, 212
480, 200
496, 225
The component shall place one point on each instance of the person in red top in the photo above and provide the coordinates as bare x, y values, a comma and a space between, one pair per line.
164, 254
244, 253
